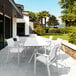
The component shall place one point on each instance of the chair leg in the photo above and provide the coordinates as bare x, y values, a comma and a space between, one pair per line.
18, 58
24, 52
7, 56
57, 68
45, 50
56, 64
35, 65
48, 70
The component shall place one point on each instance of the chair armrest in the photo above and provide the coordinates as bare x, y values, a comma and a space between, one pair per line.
18, 44
42, 54
46, 56
38, 53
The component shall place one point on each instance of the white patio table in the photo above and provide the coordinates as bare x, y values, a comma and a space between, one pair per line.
36, 42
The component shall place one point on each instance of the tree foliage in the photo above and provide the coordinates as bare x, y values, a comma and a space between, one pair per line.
72, 37
38, 17
52, 21
33, 16
43, 14
69, 11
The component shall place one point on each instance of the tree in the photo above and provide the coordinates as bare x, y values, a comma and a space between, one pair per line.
69, 19
33, 16
69, 12
43, 14
38, 17
52, 21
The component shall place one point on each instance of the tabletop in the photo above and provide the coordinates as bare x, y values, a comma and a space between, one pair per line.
35, 41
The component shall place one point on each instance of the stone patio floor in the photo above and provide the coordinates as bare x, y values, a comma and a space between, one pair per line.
66, 64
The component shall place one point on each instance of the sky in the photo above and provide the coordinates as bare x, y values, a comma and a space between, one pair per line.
41, 5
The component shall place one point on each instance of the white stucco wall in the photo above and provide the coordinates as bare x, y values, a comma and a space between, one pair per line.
14, 27
31, 25
43, 20
26, 18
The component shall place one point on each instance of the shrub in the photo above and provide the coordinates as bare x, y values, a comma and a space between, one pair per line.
36, 24
72, 37
65, 30
47, 29
48, 34
69, 29
60, 30
54, 30
39, 30
73, 28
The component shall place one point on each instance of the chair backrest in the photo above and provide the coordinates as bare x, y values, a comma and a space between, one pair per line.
17, 37
52, 54
51, 37
10, 42
59, 41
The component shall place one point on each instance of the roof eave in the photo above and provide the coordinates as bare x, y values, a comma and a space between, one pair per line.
13, 4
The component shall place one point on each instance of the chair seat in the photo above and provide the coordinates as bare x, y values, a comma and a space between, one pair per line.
21, 44
42, 58
16, 50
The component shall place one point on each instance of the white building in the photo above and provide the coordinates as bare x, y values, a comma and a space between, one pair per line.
21, 25
13, 20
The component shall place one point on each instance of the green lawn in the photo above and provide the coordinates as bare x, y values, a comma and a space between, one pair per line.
55, 36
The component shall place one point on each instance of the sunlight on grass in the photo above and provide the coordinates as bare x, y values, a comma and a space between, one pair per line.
62, 36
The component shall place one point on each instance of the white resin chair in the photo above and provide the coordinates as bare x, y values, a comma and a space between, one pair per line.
40, 43
14, 47
17, 37
59, 41
51, 37
18, 40
46, 59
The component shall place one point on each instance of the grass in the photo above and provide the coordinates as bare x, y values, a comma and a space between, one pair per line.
55, 36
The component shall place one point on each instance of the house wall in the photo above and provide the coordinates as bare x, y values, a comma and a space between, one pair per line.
31, 27
8, 10
26, 18
14, 27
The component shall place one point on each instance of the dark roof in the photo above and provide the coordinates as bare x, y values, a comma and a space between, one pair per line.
20, 6
16, 8
9, 8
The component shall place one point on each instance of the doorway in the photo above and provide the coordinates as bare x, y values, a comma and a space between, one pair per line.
20, 29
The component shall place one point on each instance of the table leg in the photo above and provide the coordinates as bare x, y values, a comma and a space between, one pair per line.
32, 55
31, 58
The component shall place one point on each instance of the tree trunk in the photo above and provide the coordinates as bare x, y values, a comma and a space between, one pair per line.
66, 23
45, 22
41, 22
